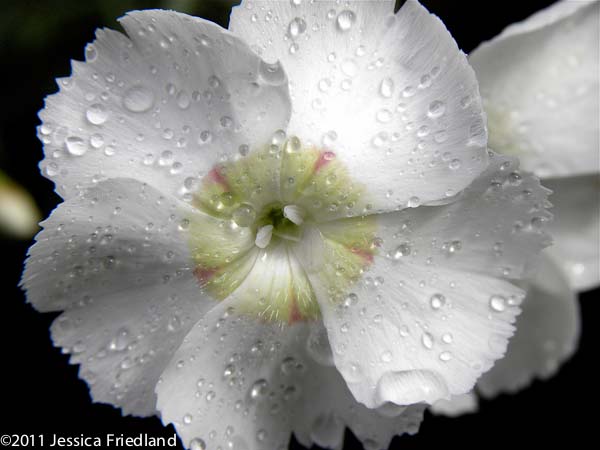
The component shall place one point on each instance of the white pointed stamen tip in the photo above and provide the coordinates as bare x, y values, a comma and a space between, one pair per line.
294, 213
263, 236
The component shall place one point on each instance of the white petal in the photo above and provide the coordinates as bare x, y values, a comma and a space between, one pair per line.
456, 406
391, 95
576, 229
116, 262
432, 313
547, 334
539, 80
495, 227
239, 382
162, 105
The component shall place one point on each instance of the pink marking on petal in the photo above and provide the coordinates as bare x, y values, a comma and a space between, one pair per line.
204, 274
295, 314
324, 159
364, 254
216, 176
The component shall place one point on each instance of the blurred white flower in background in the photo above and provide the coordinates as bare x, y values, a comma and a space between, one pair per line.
539, 80
19, 215
292, 226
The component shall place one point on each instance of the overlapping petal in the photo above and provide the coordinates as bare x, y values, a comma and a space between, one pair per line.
539, 81
116, 260
576, 229
391, 95
457, 405
238, 385
162, 105
431, 313
546, 336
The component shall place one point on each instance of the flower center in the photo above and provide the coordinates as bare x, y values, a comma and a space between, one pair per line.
270, 222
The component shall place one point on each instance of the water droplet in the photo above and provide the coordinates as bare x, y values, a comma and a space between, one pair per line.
452, 247
427, 340
187, 419
197, 444
454, 164
174, 322
515, 178
90, 53
183, 100
383, 115
436, 109
296, 27
386, 88
205, 137
120, 341
324, 84
401, 251
345, 20
258, 389
497, 303
51, 169
75, 145
414, 202
96, 141
437, 301
138, 99
261, 435
226, 122
445, 356
96, 114
244, 215
447, 338
272, 73
386, 356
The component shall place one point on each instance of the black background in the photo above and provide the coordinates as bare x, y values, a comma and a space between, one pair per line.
41, 393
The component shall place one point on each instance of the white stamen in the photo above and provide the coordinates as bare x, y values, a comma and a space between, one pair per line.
263, 236
294, 213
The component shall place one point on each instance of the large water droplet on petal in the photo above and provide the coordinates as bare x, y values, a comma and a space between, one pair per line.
75, 145
244, 215
120, 341
258, 389
437, 301
401, 250
138, 99
345, 20
497, 303
96, 114
296, 27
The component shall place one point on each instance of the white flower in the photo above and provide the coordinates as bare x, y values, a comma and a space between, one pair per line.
298, 241
540, 85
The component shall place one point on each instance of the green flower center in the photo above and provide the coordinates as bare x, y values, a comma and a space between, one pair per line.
272, 220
